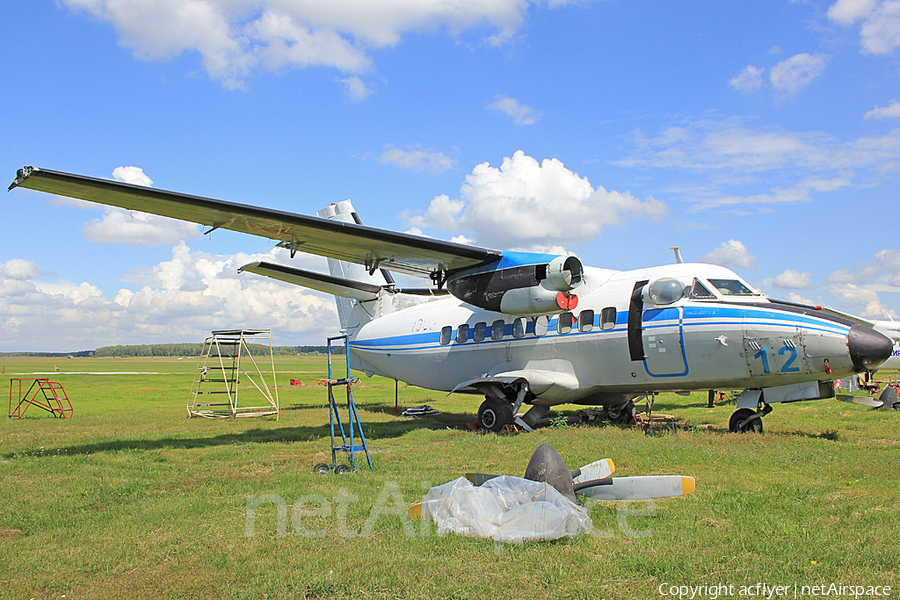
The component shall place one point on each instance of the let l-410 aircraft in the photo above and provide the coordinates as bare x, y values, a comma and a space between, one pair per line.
534, 329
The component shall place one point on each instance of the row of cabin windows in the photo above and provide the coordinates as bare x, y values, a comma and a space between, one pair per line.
537, 326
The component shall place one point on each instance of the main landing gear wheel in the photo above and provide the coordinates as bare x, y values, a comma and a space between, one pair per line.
739, 423
621, 414
494, 414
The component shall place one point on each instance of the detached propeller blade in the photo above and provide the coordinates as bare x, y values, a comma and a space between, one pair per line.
599, 469
638, 488
889, 398
592, 480
862, 400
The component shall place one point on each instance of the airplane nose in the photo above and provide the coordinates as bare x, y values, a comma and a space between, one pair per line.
868, 348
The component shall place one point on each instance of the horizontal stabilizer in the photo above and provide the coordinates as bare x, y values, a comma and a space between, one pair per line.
316, 281
639, 488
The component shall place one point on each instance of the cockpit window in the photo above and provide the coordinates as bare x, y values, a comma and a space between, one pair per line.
699, 291
732, 287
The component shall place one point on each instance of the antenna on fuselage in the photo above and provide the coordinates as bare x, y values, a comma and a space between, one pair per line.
677, 250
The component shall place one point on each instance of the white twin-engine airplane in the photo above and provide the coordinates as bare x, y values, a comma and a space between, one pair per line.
534, 329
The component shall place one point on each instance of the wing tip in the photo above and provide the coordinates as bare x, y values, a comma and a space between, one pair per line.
250, 266
21, 175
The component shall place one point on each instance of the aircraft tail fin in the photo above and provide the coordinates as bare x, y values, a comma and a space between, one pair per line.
351, 312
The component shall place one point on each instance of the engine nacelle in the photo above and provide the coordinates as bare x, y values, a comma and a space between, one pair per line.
523, 289
563, 274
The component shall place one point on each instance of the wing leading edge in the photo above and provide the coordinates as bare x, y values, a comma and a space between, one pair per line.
375, 248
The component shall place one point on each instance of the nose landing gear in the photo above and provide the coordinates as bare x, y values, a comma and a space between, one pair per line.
747, 419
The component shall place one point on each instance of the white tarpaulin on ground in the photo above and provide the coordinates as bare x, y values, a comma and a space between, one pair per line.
504, 509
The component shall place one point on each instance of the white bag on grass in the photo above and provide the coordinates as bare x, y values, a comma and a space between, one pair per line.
504, 509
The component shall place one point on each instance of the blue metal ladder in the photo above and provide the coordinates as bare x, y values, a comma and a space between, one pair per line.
353, 417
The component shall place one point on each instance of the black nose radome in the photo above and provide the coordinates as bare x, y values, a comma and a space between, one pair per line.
868, 348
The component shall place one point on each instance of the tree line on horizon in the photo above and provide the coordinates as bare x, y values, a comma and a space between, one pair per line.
183, 349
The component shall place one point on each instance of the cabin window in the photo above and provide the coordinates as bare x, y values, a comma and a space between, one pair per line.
732, 287
564, 322
519, 327
699, 291
608, 318
462, 334
445, 335
497, 328
480, 331
586, 320
541, 324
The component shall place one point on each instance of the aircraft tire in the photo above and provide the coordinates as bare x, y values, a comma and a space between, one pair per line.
494, 414
622, 414
754, 425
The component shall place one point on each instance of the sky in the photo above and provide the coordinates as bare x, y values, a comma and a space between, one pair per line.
761, 135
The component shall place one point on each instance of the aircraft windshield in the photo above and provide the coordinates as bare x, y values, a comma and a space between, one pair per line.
732, 287
699, 291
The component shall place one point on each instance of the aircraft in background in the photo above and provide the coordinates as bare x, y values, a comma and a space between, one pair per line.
532, 329
892, 330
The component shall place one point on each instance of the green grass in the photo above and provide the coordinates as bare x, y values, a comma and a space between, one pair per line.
133, 499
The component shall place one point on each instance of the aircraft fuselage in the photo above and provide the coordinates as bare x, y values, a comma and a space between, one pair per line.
611, 344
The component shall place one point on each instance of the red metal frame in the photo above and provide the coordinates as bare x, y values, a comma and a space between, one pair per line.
55, 401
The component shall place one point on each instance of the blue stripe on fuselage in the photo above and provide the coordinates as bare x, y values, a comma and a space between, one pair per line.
692, 316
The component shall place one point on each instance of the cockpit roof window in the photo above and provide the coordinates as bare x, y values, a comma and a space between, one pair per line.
732, 287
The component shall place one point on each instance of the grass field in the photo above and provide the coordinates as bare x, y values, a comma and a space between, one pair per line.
130, 498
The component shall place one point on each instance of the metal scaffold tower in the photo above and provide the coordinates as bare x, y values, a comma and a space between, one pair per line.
223, 367
348, 443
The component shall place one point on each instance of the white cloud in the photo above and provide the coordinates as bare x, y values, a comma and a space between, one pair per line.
748, 80
892, 110
846, 12
182, 299
132, 175
863, 273
879, 30
120, 226
526, 204
461, 239
237, 38
888, 259
861, 300
795, 297
520, 113
790, 279
770, 166
792, 75
356, 89
418, 159
21, 269
733, 254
